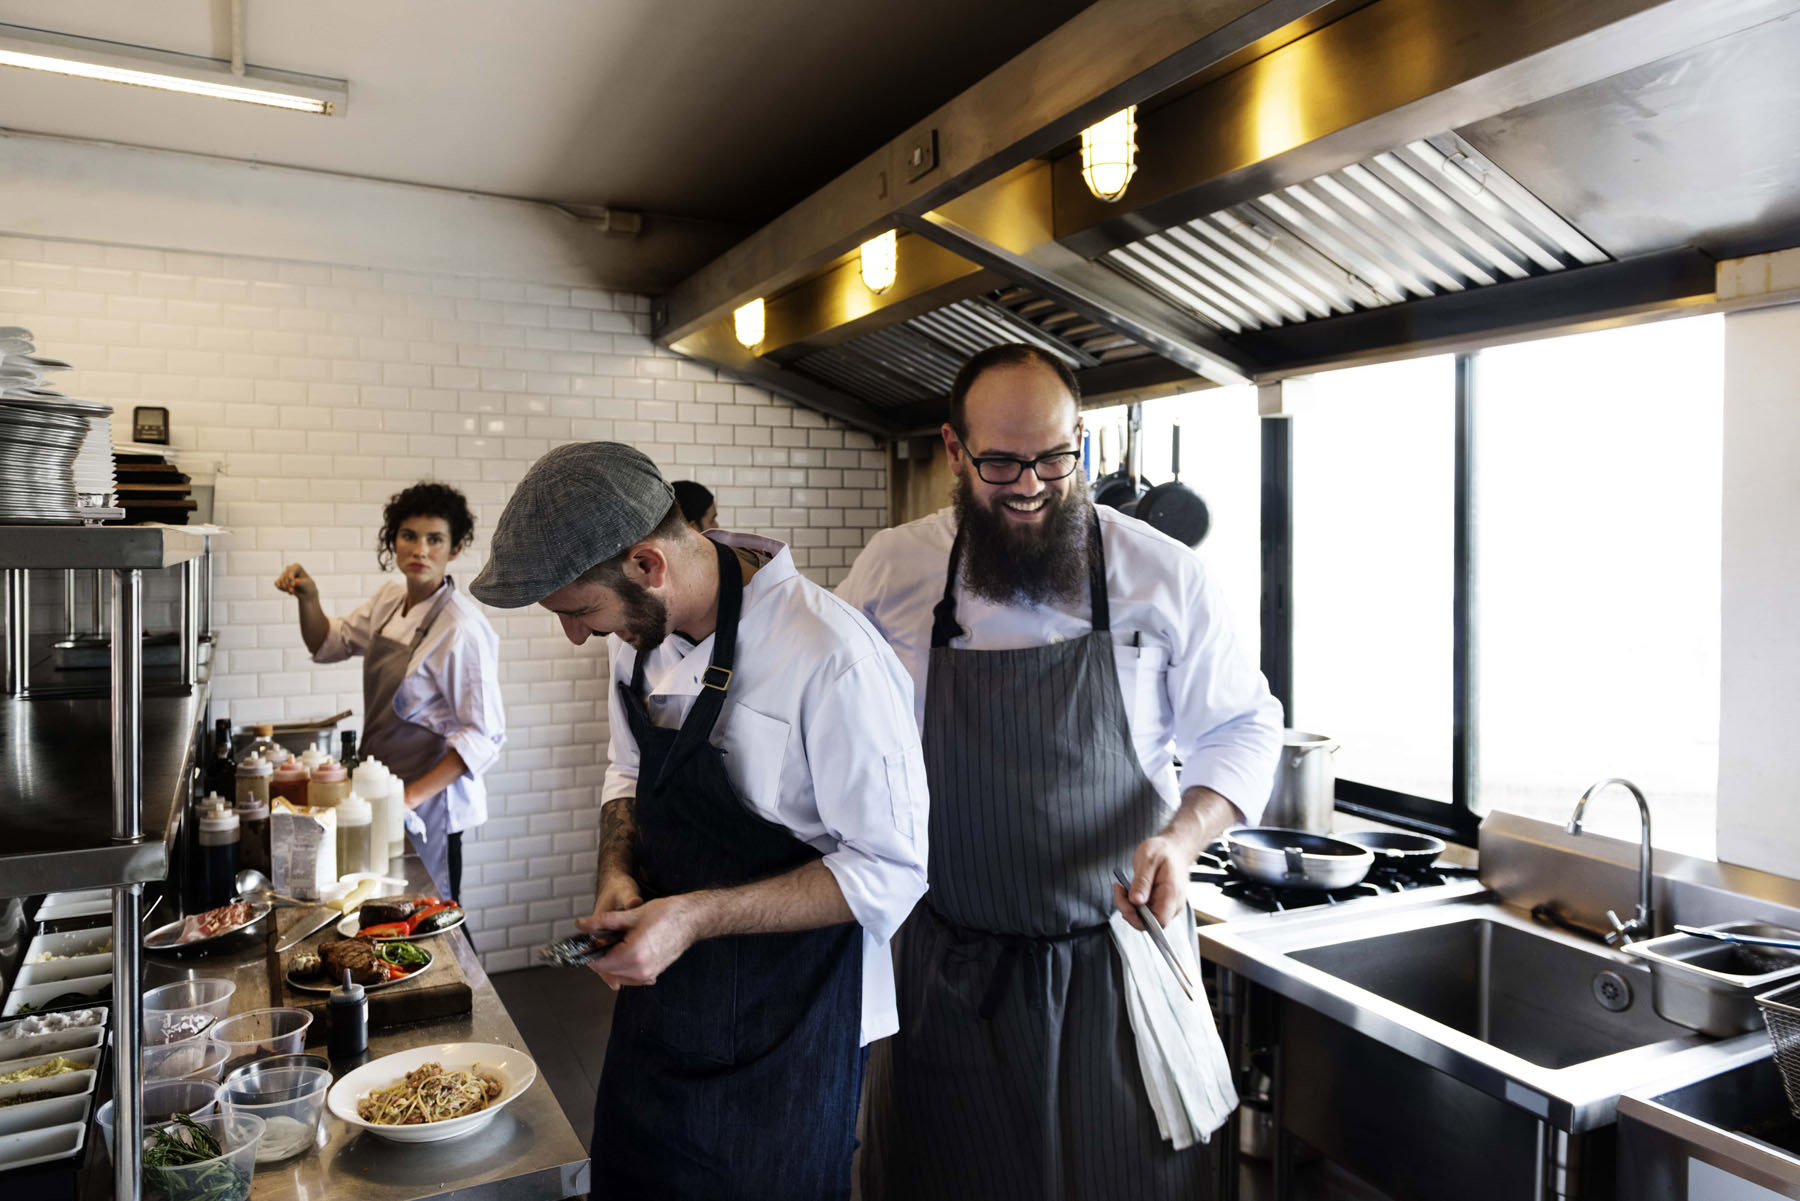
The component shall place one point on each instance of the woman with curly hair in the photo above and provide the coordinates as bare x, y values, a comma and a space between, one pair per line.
431, 683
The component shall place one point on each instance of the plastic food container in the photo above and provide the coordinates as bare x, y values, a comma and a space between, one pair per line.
193, 1058
81, 993
97, 941
163, 1099
261, 1032
238, 1134
28, 1147
279, 1061
289, 1100
41, 1115
55, 1042
65, 969
85, 1060
44, 1092
172, 1012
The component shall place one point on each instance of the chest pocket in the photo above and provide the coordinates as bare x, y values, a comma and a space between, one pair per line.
1143, 673
755, 747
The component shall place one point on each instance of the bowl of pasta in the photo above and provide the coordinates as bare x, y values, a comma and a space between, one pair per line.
431, 1093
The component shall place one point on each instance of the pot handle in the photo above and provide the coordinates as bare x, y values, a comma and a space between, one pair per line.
1303, 752
1296, 862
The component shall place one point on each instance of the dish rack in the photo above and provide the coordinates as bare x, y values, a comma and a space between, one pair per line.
1781, 1010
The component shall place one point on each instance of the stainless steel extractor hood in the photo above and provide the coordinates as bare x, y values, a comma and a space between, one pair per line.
1317, 184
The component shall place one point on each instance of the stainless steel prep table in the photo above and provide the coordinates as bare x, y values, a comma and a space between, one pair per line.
528, 1153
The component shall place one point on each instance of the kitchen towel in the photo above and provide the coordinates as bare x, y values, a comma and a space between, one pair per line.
1183, 1062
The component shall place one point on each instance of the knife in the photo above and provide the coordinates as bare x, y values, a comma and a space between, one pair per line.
306, 925
1157, 936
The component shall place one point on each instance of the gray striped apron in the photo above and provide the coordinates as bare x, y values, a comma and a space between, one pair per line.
1015, 1074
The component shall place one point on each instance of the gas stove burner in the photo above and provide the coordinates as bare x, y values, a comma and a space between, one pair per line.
1213, 866
1275, 898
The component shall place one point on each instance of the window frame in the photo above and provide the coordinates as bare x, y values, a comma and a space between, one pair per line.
1458, 821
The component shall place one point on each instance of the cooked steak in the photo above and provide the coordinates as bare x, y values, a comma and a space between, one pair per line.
382, 910
353, 954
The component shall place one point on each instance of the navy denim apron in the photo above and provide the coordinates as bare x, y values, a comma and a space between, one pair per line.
737, 1074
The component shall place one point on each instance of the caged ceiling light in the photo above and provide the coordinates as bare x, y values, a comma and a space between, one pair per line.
190, 74
1109, 154
881, 261
747, 321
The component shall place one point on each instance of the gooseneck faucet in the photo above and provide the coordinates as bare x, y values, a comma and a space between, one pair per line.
1642, 924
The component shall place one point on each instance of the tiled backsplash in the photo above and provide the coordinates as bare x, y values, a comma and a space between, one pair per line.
309, 394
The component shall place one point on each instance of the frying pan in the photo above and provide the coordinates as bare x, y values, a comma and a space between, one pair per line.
1397, 847
1297, 859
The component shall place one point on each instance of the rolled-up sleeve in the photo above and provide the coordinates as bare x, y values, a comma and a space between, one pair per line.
868, 779
348, 636
1227, 723
621, 747
466, 671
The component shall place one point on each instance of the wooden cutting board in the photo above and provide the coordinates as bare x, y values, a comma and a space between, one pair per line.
440, 991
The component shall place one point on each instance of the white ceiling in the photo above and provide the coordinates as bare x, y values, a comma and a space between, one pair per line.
725, 110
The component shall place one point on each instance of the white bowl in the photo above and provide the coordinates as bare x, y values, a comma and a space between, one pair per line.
514, 1069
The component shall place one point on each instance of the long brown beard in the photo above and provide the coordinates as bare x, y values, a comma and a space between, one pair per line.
1007, 563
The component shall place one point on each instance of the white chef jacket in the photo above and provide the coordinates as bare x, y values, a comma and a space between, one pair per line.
818, 737
452, 684
1191, 690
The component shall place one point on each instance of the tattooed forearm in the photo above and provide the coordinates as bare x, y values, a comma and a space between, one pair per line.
618, 836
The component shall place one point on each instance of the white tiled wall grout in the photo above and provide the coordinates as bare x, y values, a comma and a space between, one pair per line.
315, 392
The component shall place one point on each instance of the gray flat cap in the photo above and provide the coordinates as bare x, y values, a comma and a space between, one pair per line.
579, 505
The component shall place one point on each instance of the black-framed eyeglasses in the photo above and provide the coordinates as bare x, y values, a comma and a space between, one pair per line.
1005, 469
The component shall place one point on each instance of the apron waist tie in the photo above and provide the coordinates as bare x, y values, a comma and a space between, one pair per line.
1012, 946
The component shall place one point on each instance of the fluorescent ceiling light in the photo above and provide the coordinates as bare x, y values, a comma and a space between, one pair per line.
116, 62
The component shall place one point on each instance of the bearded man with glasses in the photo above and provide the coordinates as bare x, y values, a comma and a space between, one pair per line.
1064, 658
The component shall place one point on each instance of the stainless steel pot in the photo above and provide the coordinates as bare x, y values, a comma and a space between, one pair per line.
1305, 792
1297, 858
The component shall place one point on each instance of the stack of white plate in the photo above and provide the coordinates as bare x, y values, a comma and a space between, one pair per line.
49, 472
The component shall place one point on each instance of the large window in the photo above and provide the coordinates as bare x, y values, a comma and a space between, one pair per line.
1597, 489
1566, 493
1373, 491
1505, 570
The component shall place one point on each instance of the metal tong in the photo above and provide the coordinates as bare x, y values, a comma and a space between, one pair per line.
1156, 935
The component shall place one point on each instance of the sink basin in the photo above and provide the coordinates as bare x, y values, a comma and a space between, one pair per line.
1548, 1002
1455, 980
1731, 1130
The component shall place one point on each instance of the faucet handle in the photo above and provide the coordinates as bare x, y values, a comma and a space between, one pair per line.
1624, 931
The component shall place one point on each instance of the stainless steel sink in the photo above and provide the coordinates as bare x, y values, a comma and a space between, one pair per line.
1403, 1024
1547, 1002
1730, 1134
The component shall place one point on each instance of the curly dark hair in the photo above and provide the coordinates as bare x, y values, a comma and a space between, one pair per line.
424, 499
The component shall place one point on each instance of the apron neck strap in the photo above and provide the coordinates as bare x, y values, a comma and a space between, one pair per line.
436, 601
944, 625
698, 728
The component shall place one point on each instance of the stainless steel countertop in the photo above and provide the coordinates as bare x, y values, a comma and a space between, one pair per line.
528, 1153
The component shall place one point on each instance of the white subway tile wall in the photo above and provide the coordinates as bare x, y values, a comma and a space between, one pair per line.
308, 394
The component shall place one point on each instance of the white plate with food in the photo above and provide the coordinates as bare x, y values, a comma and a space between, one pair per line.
432, 1093
420, 917
201, 928
371, 964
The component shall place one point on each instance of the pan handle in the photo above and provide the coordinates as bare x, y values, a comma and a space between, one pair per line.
1296, 862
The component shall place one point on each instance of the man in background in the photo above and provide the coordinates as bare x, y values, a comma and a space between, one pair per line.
697, 505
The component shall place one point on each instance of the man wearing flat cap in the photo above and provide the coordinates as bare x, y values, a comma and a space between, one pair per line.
762, 836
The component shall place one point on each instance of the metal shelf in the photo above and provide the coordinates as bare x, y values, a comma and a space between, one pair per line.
120, 547
56, 787
58, 784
